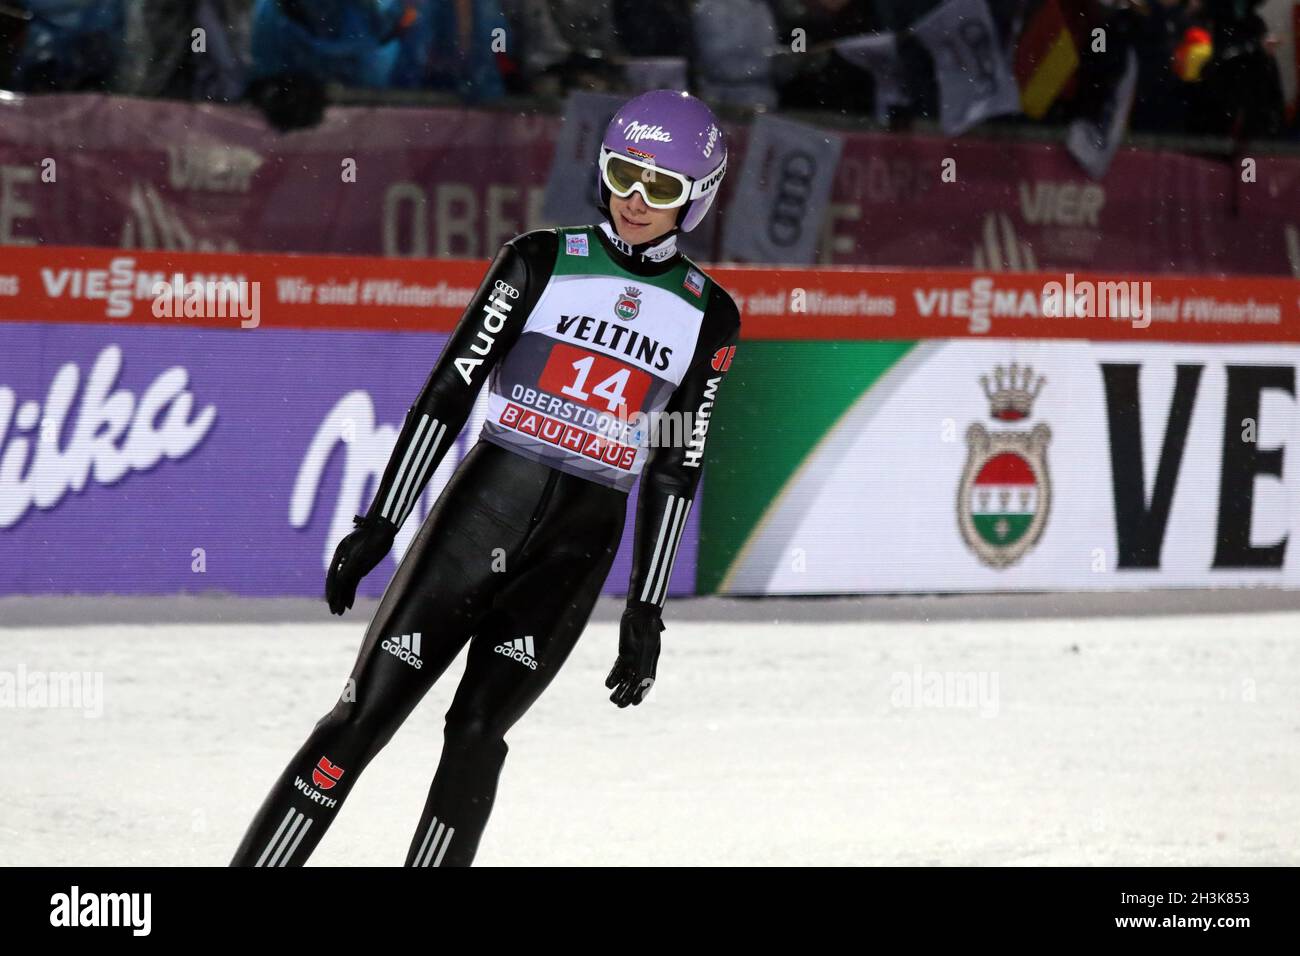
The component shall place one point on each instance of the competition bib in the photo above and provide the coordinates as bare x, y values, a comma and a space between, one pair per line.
596, 363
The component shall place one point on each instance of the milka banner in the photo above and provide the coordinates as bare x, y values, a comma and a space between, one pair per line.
153, 174
785, 185
154, 459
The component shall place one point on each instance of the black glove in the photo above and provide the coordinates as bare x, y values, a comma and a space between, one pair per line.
638, 653
354, 558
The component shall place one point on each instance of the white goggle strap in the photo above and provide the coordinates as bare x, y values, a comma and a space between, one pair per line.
709, 182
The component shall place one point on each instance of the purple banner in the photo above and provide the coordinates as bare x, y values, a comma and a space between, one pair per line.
92, 170
149, 460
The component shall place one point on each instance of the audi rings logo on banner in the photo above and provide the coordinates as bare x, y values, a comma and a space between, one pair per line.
793, 188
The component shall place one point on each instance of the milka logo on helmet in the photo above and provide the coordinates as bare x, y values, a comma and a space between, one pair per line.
638, 132
628, 304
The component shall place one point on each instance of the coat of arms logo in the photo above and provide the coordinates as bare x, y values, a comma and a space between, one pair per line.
628, 304
1005, 493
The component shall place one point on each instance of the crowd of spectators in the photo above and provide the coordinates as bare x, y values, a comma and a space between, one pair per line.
1206, 66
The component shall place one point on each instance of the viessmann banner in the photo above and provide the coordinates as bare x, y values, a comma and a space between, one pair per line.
879, 431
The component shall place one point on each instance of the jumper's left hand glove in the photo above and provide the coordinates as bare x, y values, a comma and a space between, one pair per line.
638, 653
354, 558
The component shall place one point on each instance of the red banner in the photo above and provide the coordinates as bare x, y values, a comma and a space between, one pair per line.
335, 292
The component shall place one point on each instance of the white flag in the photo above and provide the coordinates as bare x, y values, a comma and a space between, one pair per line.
877, 53
1093, 143
975, 81
777, 213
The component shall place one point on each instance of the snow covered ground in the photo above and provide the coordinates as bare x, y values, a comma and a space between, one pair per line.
860, 738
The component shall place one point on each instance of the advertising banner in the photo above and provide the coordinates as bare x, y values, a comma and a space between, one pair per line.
785, 185
336, 292
1004, 464
85, 170
147, 455
879, 431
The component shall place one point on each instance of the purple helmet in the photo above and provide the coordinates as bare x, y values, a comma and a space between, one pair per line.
672, 131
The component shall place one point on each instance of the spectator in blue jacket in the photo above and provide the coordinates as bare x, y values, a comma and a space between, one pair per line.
455, 45
69, 45
351, 42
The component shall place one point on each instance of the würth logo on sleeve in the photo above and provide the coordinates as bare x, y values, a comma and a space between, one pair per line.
722, 358
693, 457
326, 774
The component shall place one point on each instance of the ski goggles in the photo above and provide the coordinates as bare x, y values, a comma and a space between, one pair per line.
660, 188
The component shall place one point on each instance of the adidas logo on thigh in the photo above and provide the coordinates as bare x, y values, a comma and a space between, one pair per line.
521, 650
405, 648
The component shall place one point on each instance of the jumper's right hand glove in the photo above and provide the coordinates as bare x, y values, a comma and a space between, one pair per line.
638, 655
354, 558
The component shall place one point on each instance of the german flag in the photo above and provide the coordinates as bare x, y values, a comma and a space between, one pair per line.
1047, 57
